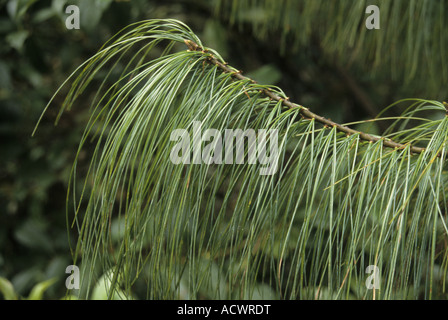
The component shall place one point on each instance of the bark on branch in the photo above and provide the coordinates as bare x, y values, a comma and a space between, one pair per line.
305, 112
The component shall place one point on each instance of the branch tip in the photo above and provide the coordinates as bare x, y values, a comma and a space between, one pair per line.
192, 46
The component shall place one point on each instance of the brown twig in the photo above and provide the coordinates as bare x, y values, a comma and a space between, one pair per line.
305, 112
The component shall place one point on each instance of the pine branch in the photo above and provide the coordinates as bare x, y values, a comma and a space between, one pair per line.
305, 112
189, 231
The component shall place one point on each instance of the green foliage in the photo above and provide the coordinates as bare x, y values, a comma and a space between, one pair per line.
37, 292
33, 240
336, 205
36, 54
7, 289
329, 63
410, 46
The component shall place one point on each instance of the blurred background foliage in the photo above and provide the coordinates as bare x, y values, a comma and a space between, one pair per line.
286, 43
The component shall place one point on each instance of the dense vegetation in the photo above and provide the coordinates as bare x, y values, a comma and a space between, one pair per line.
337, 204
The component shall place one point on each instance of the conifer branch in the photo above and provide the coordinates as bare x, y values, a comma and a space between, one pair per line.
305, 112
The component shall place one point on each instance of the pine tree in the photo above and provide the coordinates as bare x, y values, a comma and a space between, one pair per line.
339, 201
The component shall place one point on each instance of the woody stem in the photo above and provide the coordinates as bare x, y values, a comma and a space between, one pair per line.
305, 112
